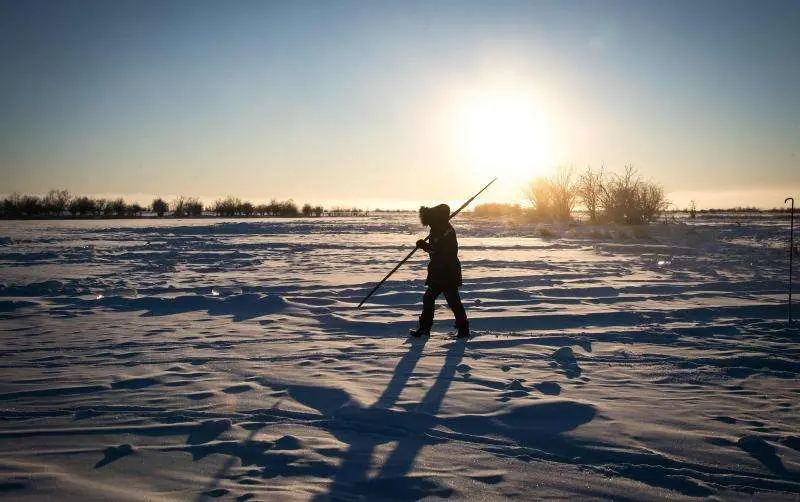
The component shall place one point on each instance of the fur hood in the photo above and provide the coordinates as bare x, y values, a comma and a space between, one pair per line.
436, 216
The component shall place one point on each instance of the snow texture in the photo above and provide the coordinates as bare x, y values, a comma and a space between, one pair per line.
226, 360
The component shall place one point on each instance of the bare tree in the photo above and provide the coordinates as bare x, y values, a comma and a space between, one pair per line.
650, 202
55, 202
563, 193
193, 207
590, 190
160, 206
540, 196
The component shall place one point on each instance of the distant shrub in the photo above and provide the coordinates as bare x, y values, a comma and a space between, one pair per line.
590, 191
193, 207
11, 205
493, 210
540, 197
133, 209
628, 199
564, 193
83, 206
289, 208
553, 198
183, 206
227, 206
115, 207
160, 207
55, 202
546, 233
179, 207
344, 211
283, 208
307, 210
31, 205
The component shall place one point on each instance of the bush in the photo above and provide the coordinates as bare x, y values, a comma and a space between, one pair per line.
116, 207
227, 206
493, 210
623, 198
30, 205
553, 198
564, 193
246, 208
11, 205
590, 191
179, 207
540, 197
82, 206
627, 199
307, 210
98, 207
284, 208
193, 207
159, 207
55, 202
134, 209
546, 233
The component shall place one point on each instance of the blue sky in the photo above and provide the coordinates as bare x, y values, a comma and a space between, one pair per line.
357, 101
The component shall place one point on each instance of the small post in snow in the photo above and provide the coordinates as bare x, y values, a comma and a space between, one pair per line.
791, 253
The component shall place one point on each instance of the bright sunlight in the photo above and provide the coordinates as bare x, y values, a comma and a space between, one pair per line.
503, 134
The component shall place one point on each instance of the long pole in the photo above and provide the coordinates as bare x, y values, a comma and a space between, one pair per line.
453, 215
791, 253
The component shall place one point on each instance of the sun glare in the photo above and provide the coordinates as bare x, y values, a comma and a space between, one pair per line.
503, 134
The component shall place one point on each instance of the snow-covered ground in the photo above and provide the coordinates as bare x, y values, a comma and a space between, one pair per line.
209, 359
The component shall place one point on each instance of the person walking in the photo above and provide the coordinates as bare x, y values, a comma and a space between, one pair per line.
444, 270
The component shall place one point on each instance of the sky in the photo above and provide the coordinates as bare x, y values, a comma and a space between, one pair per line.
392, 104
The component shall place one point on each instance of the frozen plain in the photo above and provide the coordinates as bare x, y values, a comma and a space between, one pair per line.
225, 360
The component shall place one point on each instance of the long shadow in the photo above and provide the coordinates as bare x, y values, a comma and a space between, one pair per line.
209, 492
357, 460
401, 460
352, 477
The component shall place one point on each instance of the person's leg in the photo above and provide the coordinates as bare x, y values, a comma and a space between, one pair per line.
454, 302
428, 305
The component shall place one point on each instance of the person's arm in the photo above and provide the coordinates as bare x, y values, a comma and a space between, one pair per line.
447, 247
424, 246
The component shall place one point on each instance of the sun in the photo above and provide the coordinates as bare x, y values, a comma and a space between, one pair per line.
502, 133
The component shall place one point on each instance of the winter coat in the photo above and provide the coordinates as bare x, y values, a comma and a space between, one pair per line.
444, 268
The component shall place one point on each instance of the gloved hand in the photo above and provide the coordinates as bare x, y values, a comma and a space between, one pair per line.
421, 244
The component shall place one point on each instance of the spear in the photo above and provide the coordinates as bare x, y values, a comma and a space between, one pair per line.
415, 248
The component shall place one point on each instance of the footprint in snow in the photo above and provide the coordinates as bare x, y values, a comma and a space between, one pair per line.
564, 358
237, 389
113, 453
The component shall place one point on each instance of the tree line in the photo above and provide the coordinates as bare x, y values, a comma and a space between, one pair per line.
59, 203
607, 197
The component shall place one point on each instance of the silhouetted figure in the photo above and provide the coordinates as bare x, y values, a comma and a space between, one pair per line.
444, 269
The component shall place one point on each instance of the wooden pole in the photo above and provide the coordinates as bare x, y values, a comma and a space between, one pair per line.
415, 249
791, 253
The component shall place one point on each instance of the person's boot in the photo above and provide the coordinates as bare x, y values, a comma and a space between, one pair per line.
463, 330
419, 332
424, 328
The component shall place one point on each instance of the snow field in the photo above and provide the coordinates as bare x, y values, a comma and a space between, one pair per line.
225, 360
